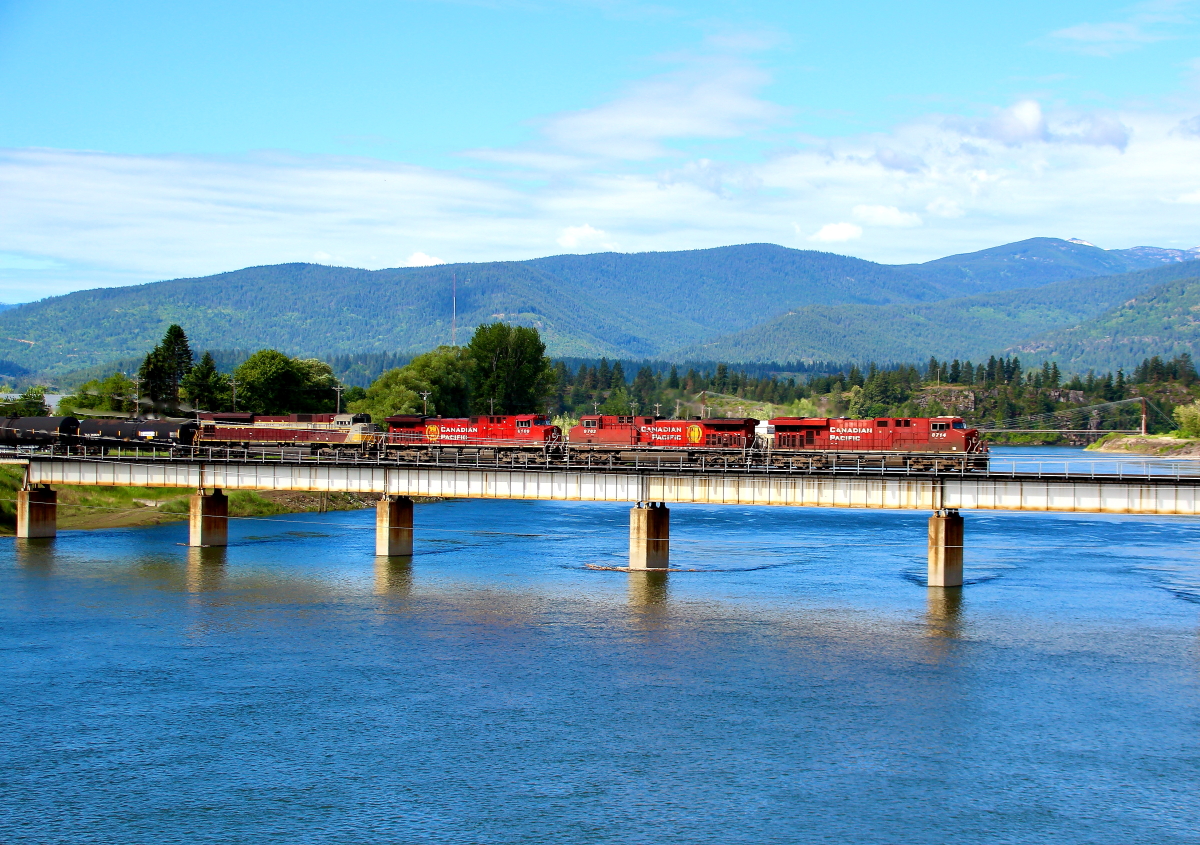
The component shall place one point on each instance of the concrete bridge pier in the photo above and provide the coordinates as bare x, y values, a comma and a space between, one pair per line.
394, 527
37, 513
649, 536
945, 549
208, 519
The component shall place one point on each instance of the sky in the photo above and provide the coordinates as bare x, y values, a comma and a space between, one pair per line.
145, 141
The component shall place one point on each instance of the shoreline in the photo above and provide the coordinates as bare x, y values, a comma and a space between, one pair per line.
1150, 445
89, 508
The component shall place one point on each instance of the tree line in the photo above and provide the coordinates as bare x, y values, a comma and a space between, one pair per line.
504, 369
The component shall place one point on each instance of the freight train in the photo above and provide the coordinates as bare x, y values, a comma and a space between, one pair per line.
799, 443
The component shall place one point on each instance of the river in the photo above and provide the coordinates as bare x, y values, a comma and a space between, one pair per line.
801, 684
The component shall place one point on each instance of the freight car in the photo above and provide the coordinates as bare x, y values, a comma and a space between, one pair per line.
914, 443
37, 431
106, 432
485, 437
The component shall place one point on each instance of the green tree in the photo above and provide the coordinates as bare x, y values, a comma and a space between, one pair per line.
510, 369
388, 395
164, 367
154, 379
205, 388
31, 403
1188, 417
115, 393
443, 373
616, 403
269, 382
177, 355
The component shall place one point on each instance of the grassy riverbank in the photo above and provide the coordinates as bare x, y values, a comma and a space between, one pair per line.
120, 507
1154, 445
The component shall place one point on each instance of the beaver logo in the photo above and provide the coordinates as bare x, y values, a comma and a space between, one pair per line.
695, 434
432, 432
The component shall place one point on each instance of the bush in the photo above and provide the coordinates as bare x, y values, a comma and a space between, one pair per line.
1188, 417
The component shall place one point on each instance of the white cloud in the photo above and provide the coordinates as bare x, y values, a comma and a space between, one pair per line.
1020, 123
712, 99
1126, 178
582, 237
943, 207
420, 259
1146, 23
886, 215
837, 233
1103, 39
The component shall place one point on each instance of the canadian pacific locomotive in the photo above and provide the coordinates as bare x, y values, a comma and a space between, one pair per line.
798, 443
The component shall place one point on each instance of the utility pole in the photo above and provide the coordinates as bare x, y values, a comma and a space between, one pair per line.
677, 404
595, 407
339, 390
492, 405
425, 397
137, 392
453, 309
1144, 420
233, 395
657, 405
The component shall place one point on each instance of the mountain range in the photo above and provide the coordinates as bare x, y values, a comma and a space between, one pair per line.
754, 302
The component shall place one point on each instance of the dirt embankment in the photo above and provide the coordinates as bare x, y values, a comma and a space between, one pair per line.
1153, 445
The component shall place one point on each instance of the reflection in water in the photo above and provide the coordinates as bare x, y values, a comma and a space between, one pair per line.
943, 612
35, 555
647, 589
394, 576
205, 569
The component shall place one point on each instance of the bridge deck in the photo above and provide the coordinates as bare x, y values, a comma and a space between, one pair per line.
1150, 494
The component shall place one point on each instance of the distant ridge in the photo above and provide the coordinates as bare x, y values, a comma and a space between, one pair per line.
632, 306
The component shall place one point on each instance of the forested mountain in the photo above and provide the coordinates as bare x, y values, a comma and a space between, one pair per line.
1160, 321
608, 304
967, 327
622, 306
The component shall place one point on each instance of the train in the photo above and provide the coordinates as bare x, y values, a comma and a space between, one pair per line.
799, 443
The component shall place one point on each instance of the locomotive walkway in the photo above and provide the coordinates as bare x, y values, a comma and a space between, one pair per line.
1111, 487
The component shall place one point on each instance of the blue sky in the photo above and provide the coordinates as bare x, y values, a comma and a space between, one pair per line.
149, 140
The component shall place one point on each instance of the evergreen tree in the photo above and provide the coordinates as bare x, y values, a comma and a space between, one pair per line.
177, 354
955, 375
205, 388
617, 379
603, 375
154, 379
673, 379
721, 383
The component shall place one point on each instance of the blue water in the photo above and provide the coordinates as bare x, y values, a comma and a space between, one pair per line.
803, 685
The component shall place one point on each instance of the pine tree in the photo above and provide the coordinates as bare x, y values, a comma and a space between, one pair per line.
205, 388
673, 379
617, 380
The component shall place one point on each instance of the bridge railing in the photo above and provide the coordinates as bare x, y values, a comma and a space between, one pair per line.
1115, 467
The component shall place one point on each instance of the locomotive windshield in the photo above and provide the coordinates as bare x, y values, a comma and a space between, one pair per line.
959, 424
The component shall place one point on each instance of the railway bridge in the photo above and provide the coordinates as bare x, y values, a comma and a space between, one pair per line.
1155, 489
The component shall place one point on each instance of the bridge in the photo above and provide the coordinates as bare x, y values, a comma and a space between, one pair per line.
1143, 487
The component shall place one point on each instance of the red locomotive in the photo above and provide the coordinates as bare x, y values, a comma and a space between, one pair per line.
519, 431
602, 431
882, 441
